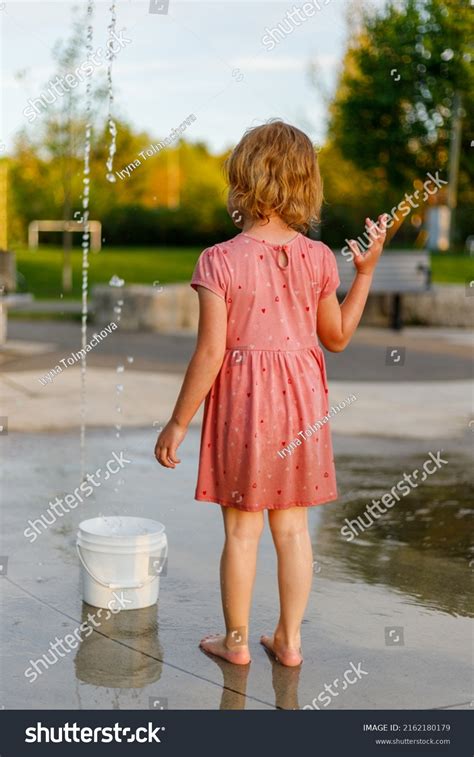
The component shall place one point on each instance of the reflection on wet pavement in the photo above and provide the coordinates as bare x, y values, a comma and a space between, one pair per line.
285, 684
421, 547
123, 651
234, 683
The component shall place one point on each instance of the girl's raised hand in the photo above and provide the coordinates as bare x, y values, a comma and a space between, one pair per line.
168, 443
365, 262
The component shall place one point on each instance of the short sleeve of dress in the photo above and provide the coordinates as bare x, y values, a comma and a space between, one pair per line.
211, 272
330, 275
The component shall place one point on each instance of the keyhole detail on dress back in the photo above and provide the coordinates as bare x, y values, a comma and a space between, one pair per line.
283, 260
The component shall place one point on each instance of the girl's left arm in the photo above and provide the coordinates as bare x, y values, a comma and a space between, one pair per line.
202, 371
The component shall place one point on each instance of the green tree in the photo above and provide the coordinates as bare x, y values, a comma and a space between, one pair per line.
52, 148
393, 109
175, 196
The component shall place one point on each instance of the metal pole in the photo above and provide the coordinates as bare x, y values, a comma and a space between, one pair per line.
454, 156
3, 205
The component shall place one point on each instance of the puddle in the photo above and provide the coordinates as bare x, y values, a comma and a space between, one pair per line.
420, 547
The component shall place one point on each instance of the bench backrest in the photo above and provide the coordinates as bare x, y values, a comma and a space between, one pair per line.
397, 272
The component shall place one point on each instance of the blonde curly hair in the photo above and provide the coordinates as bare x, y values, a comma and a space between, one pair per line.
274, 170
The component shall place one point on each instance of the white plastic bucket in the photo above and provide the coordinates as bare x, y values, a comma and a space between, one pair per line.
122, 559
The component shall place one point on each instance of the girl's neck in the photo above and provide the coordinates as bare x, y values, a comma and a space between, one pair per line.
273, 231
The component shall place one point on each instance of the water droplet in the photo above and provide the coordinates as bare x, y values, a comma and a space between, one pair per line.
130, 359
86, 236
119, 388
116, 281
120, 369
447, 54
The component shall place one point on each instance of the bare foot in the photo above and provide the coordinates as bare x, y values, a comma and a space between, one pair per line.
217, 645
287, 656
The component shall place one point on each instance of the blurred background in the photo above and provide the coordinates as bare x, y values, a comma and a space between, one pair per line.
384, 89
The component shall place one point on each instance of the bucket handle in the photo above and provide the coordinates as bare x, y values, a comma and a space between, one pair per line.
129, 585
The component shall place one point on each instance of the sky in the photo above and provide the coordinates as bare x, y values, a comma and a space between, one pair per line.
205, 58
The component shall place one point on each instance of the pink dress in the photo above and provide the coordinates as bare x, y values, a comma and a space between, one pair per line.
261, 445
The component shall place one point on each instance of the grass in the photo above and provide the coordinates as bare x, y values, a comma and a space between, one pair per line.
452, 269
41, 270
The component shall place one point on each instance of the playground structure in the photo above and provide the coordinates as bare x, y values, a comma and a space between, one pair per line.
35, 227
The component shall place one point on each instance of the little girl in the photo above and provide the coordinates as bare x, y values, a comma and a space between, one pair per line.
265, 297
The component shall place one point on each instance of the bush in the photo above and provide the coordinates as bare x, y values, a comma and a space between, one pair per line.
137, 225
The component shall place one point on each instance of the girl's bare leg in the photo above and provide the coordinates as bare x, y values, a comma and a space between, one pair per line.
238, 565
295, 571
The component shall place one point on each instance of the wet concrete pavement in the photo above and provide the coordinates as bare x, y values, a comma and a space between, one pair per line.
423, 354
394, 602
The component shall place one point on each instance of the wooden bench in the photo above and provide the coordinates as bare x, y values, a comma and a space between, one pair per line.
398, 272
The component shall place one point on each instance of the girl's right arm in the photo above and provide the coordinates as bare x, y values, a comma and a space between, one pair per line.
337, 323
203, 368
